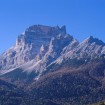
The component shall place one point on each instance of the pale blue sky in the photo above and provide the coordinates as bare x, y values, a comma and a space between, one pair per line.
81, 17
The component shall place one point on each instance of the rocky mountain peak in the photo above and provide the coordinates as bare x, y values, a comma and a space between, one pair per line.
50, 65
34, 44
91, 40
40, 46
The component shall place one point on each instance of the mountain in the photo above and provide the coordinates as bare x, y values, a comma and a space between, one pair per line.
32, 44
52, 67
35, 49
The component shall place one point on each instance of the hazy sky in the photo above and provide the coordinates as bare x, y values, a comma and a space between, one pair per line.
81, 17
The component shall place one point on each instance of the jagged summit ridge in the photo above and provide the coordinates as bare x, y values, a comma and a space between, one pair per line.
91, 40
90, 48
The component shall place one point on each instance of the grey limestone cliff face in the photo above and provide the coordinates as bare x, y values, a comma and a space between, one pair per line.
41, 46
36, 43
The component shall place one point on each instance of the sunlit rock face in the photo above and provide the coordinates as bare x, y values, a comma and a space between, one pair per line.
35, 43
90, 48
40, 46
